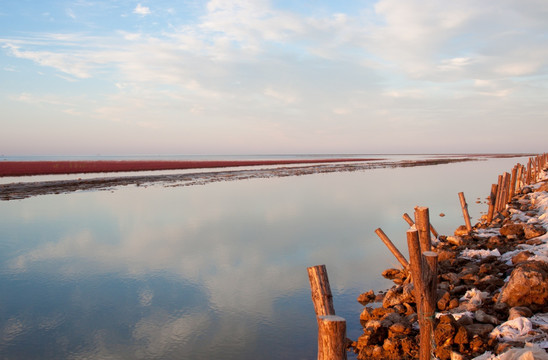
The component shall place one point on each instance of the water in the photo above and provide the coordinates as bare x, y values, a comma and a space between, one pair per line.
212, 271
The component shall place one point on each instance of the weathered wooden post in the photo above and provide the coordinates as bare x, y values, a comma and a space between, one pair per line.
492, 201
331, 328
422, 223
393, 249
519, 182
422, 272
507, 182
465, 213
410, 221
512, 191
321, 290
331, 337
499, 193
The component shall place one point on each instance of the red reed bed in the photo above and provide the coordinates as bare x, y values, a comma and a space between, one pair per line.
21, 168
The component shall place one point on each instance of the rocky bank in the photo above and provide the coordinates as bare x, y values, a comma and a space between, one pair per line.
492, 295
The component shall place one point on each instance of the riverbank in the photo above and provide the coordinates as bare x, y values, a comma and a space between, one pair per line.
492, 293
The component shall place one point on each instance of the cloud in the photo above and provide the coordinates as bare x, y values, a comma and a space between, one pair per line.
141, 10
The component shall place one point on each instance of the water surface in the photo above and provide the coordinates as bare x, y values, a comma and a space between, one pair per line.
211, 271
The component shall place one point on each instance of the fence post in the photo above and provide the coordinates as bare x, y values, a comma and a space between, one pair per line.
386, 240
492, 201
422, 223
331, 328
465, 213
331, 337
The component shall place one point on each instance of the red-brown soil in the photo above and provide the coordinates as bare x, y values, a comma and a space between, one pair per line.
21, 168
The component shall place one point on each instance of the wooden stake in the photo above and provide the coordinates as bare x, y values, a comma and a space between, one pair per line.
465, 213
422, 223
492, 201
430, 281
386, 240
512, 191
321, 290
415, 265
519, 182
499, 192
410, 221
331, 337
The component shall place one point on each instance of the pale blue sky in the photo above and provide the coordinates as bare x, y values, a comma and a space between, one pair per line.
122, 77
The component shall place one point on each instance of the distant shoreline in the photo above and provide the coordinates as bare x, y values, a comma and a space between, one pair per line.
220, 171
29, 168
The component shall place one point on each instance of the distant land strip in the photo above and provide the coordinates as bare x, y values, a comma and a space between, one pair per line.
25, 168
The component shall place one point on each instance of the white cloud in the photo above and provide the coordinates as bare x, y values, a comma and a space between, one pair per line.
141, 10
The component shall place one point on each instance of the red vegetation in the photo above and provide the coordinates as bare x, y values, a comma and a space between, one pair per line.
20, 168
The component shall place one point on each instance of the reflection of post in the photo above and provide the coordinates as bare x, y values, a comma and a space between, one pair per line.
465, 214
386, 240
331, 337
331, 328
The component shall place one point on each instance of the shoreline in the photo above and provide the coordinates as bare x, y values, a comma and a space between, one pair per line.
492, 292
22, 190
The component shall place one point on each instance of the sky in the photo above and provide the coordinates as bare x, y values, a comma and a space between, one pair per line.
123, 77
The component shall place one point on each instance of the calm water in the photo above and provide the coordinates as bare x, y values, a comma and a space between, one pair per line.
209, 272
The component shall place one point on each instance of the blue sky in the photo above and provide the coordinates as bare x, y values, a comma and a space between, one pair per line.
122, 77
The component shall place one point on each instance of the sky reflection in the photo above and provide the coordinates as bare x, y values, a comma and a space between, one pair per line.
207, 270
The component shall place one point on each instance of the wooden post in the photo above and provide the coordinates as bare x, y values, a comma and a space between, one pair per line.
415, 265
499, 192
321, 290
331, 337
512, 191
465, 213
386, 240
410, 221
519, 182
492, 201
422, 223
430, 281
528, 176
331, 328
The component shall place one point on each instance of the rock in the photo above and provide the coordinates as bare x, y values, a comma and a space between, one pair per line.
399, 295
531, 231
519, 311
526, 190
528, 285
445, 330
366, 314
398, 328
396, 275
461, 231
461, 337
451, 277
443, 300
482, 317
442, 214
512, 229
366, 297
446, 255
479, 329
455, 240
521, 257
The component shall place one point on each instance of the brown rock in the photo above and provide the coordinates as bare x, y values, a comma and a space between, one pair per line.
461, 231
366, 297
519, 311
443, 300
445, 330
528, 285
461, 337
366, 314
521, 257
531, 231
455, 240
446, 255
512, 229
454, 303
398, 295
398, 328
